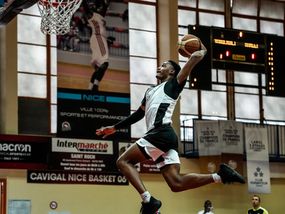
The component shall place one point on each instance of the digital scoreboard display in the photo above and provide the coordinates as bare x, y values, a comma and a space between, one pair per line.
247, 51
238, 50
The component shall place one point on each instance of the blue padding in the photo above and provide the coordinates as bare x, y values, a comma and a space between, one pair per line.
110, 99
70, 96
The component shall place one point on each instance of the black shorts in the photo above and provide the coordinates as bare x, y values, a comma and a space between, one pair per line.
163, 137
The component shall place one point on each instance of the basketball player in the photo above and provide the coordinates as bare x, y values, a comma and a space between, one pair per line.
208, 208
95, 10
256, 208
160, 143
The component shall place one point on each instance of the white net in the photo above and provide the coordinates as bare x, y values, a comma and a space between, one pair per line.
56, 15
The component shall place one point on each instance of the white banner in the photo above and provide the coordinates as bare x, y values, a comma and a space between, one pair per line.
207, 135
231, 137
256, 143
258, 171
258, 177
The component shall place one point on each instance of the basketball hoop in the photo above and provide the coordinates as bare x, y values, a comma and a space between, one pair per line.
56, 15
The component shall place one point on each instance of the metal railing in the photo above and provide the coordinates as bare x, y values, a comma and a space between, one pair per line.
275, 134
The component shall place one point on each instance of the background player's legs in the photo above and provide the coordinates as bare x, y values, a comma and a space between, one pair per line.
97, 76
178, 182
100, 57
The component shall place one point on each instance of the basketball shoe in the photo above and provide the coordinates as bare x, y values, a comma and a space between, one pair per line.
151, 207
229, 175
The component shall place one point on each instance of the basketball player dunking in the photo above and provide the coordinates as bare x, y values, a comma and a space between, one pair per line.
95, 11
160, 142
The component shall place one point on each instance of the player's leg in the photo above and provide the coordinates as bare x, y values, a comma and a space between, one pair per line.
178, 182
98, 74
170, 169
100, 57
126, 164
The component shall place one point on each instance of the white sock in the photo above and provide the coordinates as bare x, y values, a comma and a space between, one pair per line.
90, 85
146, 197
217, 178
96, 82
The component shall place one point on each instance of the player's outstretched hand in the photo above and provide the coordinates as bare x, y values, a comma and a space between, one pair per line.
105, 131
200, 53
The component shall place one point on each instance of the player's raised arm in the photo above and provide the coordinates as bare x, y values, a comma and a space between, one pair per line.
193, 60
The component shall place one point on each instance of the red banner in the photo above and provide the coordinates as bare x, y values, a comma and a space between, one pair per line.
24, 152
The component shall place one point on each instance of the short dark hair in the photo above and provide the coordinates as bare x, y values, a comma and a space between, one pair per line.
257, 196
176, 67
207, 203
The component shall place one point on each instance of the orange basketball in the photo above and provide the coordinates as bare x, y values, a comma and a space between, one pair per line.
188, 45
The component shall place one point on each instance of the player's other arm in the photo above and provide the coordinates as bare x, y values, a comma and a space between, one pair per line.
193, 60
133, 118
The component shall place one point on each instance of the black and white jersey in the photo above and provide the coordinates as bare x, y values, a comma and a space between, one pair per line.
160, 101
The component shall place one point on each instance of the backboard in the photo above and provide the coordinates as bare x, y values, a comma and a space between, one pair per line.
11, 8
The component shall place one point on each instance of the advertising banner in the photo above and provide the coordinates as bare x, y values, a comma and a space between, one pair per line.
258, 171
27, 152
67, 177
83, 155
81, 112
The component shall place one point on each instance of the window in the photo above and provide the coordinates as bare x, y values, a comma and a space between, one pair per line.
209, 14
245, 7
36, 80
143, 56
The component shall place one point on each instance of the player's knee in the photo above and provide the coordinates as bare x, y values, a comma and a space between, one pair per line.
120, 163
175, 188
105, 65
100, 72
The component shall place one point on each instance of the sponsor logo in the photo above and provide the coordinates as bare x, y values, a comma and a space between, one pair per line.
259, 180
97, 98
4, 147
65, 126
83, 146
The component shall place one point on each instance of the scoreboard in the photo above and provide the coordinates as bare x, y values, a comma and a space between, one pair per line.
247, 51
238, 50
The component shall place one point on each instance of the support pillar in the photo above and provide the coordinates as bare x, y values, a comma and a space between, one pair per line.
8, 79
167, 45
